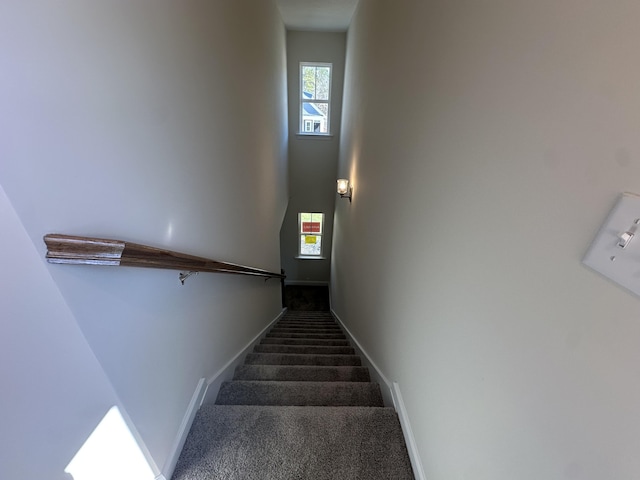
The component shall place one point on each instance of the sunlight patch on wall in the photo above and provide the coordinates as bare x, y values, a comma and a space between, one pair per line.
110, 452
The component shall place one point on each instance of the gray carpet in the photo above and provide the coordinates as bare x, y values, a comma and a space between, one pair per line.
298, 359
306, 349
300, 373
297, 409
252, 392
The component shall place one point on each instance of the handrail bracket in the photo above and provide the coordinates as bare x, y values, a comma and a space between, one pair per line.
183, 276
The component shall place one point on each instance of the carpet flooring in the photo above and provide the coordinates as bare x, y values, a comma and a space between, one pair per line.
301, 407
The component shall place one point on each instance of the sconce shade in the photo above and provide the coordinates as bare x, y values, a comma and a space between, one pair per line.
344, 189
343, 186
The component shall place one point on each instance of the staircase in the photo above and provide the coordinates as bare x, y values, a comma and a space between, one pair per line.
301, 407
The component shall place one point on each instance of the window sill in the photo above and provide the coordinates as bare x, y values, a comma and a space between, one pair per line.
308, 257
315, 136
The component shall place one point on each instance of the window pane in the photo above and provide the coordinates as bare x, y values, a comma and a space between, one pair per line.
316, 82
309, 82
305, 217
317, 115
322, 107
322, 83
310, 244
317, 219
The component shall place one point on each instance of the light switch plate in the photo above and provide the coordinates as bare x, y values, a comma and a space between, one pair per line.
606, 256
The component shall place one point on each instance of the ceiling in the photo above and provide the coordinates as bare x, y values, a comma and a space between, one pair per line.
323, 15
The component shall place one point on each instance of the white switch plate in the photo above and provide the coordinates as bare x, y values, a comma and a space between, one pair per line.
621, 265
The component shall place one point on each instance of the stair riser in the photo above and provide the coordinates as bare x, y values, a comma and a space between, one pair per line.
312, 322
298, 373
328, 394
305, 341
309, 320
312, 331
306, 325
304, 349
292, 359
318, 336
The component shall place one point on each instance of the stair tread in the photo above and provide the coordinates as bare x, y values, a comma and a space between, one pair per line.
304, 349
297, 318
339, 336
310, 323
256, 392
301, 359
311, 331
309, 319
331, 373
307, 327
306, 341
276, 443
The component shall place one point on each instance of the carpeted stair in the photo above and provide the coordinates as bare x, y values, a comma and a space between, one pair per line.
301, 407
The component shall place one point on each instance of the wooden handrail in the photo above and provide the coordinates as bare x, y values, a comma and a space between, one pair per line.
73, 250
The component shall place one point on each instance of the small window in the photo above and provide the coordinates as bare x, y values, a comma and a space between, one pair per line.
311, 229
308, 126
315, 97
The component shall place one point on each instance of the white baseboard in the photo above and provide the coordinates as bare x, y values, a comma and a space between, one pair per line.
207, 389
409, 439
376, 374
226, 372
392, 397
183, 430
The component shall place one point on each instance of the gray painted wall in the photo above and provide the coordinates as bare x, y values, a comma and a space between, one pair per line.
163, 124
54, 390
487, 142
313, 161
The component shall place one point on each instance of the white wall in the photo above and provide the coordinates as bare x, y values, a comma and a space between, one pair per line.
312, 160
158, 123
54, 391
487, 141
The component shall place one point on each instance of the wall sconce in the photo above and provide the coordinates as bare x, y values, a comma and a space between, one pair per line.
344, 189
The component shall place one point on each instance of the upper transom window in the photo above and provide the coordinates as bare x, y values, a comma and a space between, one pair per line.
315, 98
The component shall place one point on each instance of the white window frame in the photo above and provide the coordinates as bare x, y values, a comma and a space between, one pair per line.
304, 100
321, 235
